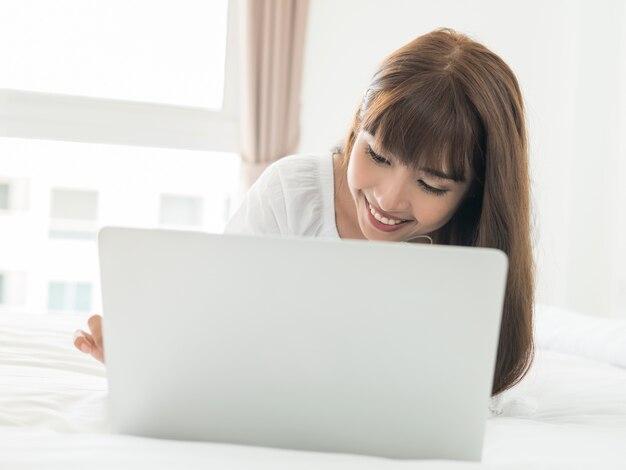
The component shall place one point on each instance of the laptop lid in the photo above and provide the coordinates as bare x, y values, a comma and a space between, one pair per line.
375, 348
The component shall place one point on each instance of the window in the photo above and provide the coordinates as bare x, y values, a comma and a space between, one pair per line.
69, 297
73, 204
73, 214
14, 189
127, 114
180, 210
12, 290
167, 77
160, 51
82, 297
4, 196
57, 295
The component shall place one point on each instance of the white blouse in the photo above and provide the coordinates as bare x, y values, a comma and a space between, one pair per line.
293, 196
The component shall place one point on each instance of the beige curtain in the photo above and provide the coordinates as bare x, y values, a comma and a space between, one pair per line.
273, 34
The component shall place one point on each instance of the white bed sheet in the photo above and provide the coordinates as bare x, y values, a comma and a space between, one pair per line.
569, 412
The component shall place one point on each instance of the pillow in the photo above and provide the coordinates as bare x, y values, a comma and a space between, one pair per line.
599, 338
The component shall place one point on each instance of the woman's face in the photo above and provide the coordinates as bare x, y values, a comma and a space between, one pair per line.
397, 203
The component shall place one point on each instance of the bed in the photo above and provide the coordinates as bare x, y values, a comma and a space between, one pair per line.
569, 412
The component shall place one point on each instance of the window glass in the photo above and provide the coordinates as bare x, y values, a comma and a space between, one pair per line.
180, 210
73, 204
161, 51
57, 296
82, 297
4, 196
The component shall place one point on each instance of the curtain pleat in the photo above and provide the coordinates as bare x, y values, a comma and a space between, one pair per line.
273, 43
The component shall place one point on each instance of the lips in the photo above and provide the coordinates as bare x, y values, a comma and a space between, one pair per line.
379, 225
384, 214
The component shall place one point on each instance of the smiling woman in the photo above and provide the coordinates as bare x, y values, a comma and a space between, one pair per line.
437, 151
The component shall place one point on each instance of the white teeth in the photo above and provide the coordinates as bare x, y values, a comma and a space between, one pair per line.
382, 219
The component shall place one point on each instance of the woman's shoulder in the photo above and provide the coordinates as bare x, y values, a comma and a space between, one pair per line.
293, 196
301, 164
300, 173
306, 186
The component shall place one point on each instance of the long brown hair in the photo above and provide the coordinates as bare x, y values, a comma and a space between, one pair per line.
446, 101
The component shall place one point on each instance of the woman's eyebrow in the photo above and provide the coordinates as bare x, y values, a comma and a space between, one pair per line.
441, 175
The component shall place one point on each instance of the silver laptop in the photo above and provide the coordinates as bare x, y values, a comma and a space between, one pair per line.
384, 349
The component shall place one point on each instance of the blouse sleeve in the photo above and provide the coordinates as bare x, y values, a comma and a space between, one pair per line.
262, 211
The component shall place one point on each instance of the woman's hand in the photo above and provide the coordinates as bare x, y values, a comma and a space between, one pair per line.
91, 343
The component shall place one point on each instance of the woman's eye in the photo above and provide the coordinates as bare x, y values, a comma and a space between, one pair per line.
431, 190
375, 157
383, 161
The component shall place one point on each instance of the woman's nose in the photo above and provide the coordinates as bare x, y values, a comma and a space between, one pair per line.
391, 196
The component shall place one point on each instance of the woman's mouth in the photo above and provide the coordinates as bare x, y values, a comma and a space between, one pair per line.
380, 221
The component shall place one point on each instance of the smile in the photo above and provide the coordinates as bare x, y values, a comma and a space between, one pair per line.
382, 222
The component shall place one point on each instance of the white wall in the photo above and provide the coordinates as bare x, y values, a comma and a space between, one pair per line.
569, 57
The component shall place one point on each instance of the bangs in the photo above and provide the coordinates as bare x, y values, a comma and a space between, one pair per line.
428, 124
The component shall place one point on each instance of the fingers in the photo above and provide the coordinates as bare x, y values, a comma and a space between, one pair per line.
97, 354
91, 343
84, 341
95, 325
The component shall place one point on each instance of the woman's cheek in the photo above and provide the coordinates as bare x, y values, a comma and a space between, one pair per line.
433, 213
358, 175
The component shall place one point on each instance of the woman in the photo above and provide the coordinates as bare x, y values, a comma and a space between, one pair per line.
437, 153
